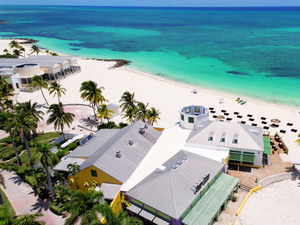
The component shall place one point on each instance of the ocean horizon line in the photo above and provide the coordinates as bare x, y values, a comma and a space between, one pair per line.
171, 7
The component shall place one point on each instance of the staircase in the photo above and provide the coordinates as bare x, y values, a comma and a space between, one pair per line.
245, 188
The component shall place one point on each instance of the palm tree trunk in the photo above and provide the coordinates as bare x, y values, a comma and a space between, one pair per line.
95, 114
50, 183
15, 148
44, 96
28, 150
58, 98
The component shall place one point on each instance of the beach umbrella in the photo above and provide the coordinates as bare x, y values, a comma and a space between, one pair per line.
275, 121
221, 117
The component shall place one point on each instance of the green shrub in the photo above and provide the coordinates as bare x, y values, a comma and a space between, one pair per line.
60, 154
121, 125
43, 193
72, 146
56, 209
20, 148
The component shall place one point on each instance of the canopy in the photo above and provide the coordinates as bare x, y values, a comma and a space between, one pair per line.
267, 146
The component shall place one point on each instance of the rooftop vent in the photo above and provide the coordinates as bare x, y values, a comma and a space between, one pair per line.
179, 162
184, 158
142, 130
146, 126
118, 154
174, 167
130, 141
160, 169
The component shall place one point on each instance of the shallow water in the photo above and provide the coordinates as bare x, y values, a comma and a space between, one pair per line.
246, 51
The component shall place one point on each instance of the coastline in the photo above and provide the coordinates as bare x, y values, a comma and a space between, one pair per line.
169, 97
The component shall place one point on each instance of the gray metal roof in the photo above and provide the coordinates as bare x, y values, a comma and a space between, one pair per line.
90, 147
105, 156
110, 190
49, 57
42, 63
63, 165
171, 191
249, 137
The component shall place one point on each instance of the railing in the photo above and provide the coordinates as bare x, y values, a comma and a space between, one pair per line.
278, 177
246, 199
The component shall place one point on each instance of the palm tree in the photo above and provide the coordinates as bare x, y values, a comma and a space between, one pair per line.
104, 113
17, 53
112, 218
153, 115
35, 48
39, 83
14, 44
47, 51
5, 126
5, 92
83, 206
141, 113
130, 115
5, 217
91, 93
30, 109
128, 101
59, 117
56, 89
22, 50
24, 124
73, 169
29, 219
5, 50
46, 158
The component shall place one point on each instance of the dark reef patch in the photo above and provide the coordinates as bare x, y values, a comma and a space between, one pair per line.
237, 72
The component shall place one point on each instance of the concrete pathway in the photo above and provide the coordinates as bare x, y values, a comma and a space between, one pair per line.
24, 201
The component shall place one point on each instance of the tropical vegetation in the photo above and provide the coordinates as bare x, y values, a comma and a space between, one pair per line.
104, 113
92, 93
39, 83
56, 89
59, 117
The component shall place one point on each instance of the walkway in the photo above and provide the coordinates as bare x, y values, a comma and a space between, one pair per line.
23, 200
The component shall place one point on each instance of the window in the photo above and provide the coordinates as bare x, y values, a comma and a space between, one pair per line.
149, 209
94, 173
235, 139
211, 136
197, 109
188, 110
223, 137
163, 216
182, 117
191, 119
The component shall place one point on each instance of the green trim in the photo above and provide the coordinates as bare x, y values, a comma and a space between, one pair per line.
149, 209
182, 117
163, 216
136, 202
186, 212
267, 146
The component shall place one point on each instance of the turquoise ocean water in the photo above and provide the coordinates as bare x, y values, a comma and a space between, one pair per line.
251, 52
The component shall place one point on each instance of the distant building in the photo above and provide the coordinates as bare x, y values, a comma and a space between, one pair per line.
192, 115
21, 71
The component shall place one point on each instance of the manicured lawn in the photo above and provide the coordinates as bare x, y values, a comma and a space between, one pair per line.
7, 203
41, 138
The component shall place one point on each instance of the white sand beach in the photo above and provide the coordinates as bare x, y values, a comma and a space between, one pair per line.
273, 204
168, 96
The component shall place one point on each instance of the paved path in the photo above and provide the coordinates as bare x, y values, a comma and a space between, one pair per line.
23, 200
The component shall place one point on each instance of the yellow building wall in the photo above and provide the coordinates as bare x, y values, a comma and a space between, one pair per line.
86, 176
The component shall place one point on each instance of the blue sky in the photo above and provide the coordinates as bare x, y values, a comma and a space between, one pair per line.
155, 2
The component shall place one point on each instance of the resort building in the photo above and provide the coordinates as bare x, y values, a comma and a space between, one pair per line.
111, 155
186, 189
192, 115
21, 71
243, 143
